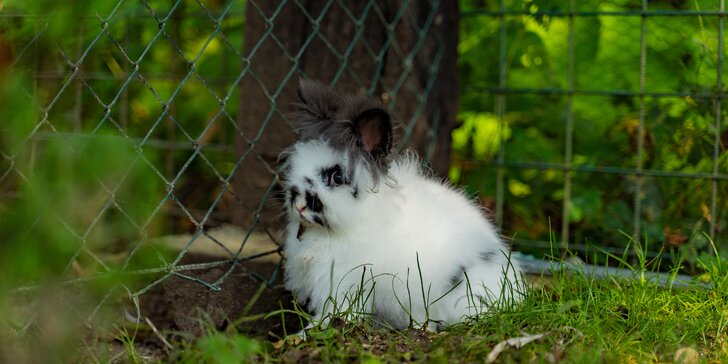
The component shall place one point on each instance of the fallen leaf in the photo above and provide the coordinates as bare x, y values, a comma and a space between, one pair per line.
278, 344
706, 212
516, 342
687, 356
675, 237
291, 340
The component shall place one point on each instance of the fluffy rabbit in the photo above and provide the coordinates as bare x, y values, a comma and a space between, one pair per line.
370, 233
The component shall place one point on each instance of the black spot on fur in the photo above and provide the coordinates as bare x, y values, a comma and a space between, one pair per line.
309, 181
314, 203
487, 256
300, 232
458, 276
319, 220
293, 195
305, 301
355, 192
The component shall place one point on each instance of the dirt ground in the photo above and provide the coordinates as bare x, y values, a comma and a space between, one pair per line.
179, 304
182, 310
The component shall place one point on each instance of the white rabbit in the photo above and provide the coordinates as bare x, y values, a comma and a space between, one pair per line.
370, 233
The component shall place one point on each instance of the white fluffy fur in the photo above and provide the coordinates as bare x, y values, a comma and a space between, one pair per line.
387, 228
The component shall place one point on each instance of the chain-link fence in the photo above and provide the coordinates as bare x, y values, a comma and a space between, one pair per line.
141, 137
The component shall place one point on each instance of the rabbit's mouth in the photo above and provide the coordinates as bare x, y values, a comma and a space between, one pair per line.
313, 219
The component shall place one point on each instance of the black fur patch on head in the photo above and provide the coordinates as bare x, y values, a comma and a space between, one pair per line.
293, 194
458, 277
314, 203
318, 100
487, 256
308, 181
355, 192
352, 123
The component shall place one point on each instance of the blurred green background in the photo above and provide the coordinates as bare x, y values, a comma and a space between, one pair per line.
578, 77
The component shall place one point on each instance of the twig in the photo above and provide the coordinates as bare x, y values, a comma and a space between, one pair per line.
156, 332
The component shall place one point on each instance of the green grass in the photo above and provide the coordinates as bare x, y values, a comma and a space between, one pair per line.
579, 319
583, 319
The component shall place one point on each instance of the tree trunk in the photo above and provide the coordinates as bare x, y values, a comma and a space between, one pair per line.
413, 68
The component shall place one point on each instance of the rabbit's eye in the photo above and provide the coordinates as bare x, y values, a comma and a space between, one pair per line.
336, 178
333, 176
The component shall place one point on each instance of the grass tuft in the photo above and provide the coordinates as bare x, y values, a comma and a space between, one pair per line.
569, 317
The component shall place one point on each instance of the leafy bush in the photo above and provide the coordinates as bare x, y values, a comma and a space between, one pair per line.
598, 56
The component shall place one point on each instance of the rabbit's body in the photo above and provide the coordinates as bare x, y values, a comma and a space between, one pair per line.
368, 241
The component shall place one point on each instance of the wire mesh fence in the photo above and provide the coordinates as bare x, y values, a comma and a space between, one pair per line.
606, 122
138, 133
582, 121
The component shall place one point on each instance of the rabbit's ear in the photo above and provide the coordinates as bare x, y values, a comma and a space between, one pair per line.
373, 130
318, 100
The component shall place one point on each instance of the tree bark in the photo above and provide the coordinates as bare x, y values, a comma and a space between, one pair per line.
404, 52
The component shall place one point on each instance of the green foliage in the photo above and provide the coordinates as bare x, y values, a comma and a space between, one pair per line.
75, 195
546, 54
56, 18
224, 349
77, 198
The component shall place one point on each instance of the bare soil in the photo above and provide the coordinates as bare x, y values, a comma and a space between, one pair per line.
188, 309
